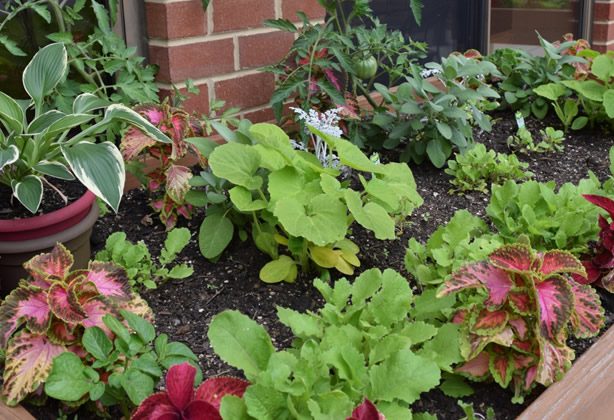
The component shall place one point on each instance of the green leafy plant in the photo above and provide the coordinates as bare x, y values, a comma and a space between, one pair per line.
293, 201
48, 314
138, 263
530, 305
464, 239
552, 219
567, 109
363, 342
122, 371
475, 169
101, 64
38, 144
551, 141
429, 120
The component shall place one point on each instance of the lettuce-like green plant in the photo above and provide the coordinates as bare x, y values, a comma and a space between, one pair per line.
551, 219
477, 168
517, 334
551, 140
464, 239
138, 263
47, 315
364, 342
295, 202
120, 372
36, 144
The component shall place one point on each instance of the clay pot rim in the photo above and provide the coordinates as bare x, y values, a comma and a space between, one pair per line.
49, 219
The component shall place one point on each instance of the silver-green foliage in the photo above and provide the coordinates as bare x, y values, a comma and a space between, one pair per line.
475, 169
551, 219
364, 342
138, 263
464, 239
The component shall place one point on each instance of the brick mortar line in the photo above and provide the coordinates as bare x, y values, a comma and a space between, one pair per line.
213, 79
166, 1
602, 43
603, 22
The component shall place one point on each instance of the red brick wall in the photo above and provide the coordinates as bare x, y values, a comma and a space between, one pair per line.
603, 25
221, 50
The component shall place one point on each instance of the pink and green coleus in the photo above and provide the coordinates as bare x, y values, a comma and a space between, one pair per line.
518, 333
168, 178
47, 314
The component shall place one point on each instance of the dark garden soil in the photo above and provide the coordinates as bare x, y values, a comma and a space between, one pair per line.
11, 208
184, 309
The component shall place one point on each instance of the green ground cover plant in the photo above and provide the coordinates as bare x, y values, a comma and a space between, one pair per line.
364, 342
550, 141
478, 168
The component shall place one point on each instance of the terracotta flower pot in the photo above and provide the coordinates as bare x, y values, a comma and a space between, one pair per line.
21, 239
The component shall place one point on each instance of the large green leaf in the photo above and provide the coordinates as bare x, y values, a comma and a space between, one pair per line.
45, 71
100, 168
371, 216
86, 102
591, 89
67, 380
608, 103
65, 123
550, 91
240, 342
238, 164
54, 169
8, 156
29, 192
43, 121
11, 114
603, 67
243, 200
215, 234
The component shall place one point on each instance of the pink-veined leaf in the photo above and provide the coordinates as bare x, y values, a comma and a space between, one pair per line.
520, 301
496, 281
366, 411
523, 346
517, 258
155, 114
555, 303
522, 361
603, 202
520, 327
214, 389
529, 377
28, 362
489, 322
110, 279
178, 182
476, 368
154, 407
56, 263
554, 361
134, 142
63, 307
21, 305
554, 262
501, 366
94, 311
60, 333
587, 317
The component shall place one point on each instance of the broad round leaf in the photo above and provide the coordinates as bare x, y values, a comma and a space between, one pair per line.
29, 192
215, 234
67, 381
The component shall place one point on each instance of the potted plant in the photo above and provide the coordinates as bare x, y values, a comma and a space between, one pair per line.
39, 146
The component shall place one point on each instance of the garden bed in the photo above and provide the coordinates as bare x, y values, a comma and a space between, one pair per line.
184, 309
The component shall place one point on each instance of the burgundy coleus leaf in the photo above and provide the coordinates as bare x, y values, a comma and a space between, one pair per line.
604, 202
178, 182
95, 310
523, 346
476, 368
134, 142
479, 274
520, 301
56, 263
554, 361
214, 389
489, 322
522, 361
529, 377
23, 305
501, 366
587, 317
110, 279
366, 411
519, 325
560, 262
555, 305
517, 258
28, 362
65, 308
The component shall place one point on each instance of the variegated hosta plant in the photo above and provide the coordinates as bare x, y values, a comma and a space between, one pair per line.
38, 145
169, 181
531, 305
47, 315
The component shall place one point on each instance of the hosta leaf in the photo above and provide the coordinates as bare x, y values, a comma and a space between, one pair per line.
476, 368
110, 280
86, 102
29, 192
516, 258
28, 362
45, 71
238, 164
178, 182
11, 114
587, 317
21, 305
501, 367
214, 389
403, 376
556, 262
553, 362
555, 303
54, 169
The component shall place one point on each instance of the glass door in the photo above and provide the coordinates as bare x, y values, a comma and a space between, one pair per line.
513, 23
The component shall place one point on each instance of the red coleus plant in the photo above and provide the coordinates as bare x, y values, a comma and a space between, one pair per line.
47, 315
600, 267
168, 178
181, 402
366, 411
518, 333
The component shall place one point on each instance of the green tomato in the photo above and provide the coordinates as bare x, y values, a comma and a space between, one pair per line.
366, 68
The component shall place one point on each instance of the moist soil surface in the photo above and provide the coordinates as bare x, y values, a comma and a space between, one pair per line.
183, 309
